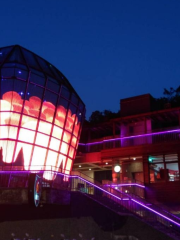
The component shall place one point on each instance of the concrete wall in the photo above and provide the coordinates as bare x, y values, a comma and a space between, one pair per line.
20, 196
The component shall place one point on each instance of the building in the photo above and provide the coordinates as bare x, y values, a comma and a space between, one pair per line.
41, 116
143, 141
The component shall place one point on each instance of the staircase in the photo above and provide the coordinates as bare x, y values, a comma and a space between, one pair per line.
121, 203
129, 204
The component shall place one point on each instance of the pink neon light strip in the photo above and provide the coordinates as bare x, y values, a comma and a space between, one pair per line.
139, 203
124, 185
129, 137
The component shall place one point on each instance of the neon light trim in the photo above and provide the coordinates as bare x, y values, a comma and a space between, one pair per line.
152, 210
124, 185
129, 137
76, 176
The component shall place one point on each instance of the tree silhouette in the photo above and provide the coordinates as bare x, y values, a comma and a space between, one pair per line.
171, 98
96, 117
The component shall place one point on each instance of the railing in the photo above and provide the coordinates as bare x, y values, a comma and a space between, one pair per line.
141, 208
130, 187
17, 176
148, 212
128, 141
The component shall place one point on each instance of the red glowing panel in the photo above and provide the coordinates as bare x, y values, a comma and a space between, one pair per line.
45, 143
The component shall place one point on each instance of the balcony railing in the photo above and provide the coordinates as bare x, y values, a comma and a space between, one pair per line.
126, 203
129, 141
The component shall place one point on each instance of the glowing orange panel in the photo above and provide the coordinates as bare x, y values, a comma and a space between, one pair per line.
45, 145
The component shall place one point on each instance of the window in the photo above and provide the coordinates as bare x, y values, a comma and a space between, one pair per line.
163, 168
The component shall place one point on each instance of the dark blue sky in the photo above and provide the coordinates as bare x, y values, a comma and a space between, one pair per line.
108, 49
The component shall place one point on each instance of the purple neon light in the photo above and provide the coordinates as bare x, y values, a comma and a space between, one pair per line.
76, 176
124, 184
94, 185
129, 137
152, 210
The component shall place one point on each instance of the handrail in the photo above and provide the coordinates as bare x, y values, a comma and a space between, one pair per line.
128, 141
138, 134
136, 205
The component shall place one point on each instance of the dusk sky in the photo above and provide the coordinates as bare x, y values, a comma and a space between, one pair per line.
108, 49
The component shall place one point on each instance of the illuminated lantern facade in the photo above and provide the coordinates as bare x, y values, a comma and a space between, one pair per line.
41, 115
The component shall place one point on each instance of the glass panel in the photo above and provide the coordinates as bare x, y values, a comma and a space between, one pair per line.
66, 137
51, 97
21, 66
27, 150
37, 78
51, 160
38, 158
73, 109
82, 111
23, 133
74, 141
173, 171
76, 129
7, 150
12, 90
29, 122
71, 152
57, 132
4, 52
42, 139
65, 92
45, 127
171, 158
34, 96
60, 116
69, 122
8, 132
44, 65
14, 118
7, 72
157, 172
64, 148
68, 165
16, 55
49, 105
80, 116
31, 61
53, 85
155, 159
74, 99
22, 74
56, 74
54, 144
63, 102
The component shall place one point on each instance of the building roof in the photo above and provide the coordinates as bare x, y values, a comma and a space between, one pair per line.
16, 55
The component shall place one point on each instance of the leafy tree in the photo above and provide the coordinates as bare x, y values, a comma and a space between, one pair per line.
169, 93
171, 96
96, 117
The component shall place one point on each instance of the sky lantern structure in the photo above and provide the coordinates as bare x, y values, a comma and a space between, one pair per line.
41, 114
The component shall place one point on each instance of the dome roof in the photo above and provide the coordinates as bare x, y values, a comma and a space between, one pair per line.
18, 55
